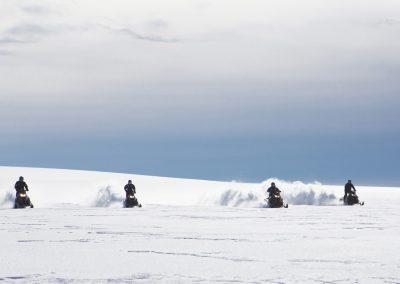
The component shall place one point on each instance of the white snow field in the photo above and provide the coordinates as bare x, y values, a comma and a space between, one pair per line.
193, 231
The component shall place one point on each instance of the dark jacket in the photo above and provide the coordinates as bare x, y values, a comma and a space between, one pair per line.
348, 188
273, 190
130, 189
21, 187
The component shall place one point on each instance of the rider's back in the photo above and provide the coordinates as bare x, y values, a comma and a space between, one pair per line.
348, 188
130, 188
21, 186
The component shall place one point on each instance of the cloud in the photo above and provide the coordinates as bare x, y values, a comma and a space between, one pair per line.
5, 53
158, 24
389, 22
153, 38
22, 33
30, 32
142, 36
10, 40
35, 10
28, 29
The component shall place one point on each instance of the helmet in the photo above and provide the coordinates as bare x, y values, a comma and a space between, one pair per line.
272, 183
129, 181
21, 178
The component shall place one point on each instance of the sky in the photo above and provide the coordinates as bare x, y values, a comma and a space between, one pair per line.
228, 90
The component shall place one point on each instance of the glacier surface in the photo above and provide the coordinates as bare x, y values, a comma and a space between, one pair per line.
193, 231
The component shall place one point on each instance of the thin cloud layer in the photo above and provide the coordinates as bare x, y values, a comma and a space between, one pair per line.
230, 49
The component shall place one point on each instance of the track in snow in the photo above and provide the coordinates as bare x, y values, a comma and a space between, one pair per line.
196, 244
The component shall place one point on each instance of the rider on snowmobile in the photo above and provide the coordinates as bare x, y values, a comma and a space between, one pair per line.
130, 189
20, 186
273, 190
349, 189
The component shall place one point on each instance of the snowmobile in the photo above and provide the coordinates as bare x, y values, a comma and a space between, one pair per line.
131, 201
276, 201
352, 199
22, 201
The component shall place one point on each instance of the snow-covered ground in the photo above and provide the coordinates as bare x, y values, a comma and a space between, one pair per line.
194, 231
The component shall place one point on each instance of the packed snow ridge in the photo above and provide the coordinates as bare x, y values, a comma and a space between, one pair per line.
49, 187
